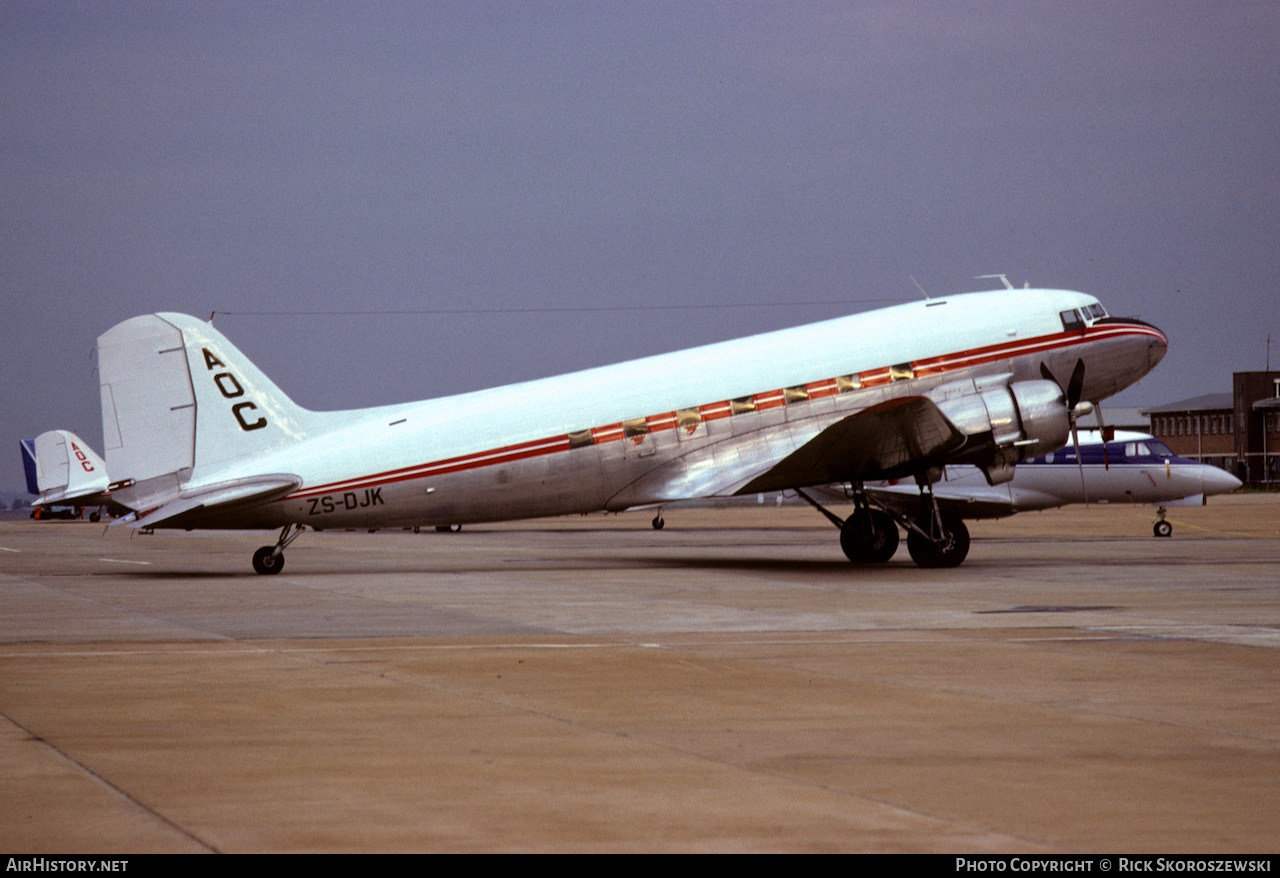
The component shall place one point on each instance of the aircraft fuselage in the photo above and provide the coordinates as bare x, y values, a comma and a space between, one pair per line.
694, 423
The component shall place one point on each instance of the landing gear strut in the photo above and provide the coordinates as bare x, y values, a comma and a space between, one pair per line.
868, 536
269, 560
937, 539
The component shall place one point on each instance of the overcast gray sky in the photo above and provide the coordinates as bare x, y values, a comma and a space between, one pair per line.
766, 158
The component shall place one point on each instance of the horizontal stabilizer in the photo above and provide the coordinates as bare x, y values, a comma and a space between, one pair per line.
227, 496
65, 469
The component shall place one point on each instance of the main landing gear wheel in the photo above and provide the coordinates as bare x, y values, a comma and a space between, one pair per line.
1162, 528
267, 562
945, 548
448, 528
876, 548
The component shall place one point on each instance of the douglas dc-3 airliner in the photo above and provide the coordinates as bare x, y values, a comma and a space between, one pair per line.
195, 436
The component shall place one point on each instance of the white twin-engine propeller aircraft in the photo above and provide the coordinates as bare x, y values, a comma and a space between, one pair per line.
195, 436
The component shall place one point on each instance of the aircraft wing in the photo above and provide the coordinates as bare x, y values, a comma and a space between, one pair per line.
980, 501
877, 441
880, 441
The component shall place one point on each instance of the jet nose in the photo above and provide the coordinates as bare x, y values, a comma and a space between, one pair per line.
1217, 481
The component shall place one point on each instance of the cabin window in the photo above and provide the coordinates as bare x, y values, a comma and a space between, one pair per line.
1071, 320
688, 419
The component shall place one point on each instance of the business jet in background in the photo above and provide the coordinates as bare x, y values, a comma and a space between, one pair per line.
196, 436
1128, 468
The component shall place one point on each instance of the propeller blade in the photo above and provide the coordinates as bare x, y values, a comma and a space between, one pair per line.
1075, 385
1108, 434
1075, 440
1072, 392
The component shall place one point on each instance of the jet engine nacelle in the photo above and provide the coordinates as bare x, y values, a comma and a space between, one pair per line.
1005, 423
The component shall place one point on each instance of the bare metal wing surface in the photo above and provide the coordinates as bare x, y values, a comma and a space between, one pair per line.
196, 436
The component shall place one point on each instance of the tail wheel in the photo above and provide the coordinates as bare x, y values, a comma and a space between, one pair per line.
267, 562
947, 547
874, 548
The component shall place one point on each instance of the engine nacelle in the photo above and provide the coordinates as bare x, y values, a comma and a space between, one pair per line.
1005, 423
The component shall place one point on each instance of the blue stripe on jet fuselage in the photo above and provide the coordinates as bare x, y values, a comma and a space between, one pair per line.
1091, 455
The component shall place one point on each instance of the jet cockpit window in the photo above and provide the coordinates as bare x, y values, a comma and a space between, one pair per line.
1071, 320
1133, 450
1094, 312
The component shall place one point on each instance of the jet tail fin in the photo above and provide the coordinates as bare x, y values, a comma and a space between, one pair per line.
62, 468
181, 404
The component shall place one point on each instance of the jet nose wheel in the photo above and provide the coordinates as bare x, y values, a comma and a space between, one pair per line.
266, 562
947, 548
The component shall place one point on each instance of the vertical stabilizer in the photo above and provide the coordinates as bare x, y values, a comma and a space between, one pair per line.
64, 468
178, 401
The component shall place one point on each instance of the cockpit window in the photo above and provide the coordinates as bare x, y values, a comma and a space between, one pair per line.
1095, 312
1071, 320
1159, 449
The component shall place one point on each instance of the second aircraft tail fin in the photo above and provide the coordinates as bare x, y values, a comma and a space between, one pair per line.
64, 469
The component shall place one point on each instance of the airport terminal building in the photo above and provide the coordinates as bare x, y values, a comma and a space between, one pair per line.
1237, 431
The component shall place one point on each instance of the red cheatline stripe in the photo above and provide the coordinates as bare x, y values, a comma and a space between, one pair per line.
716, 410
454, 464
